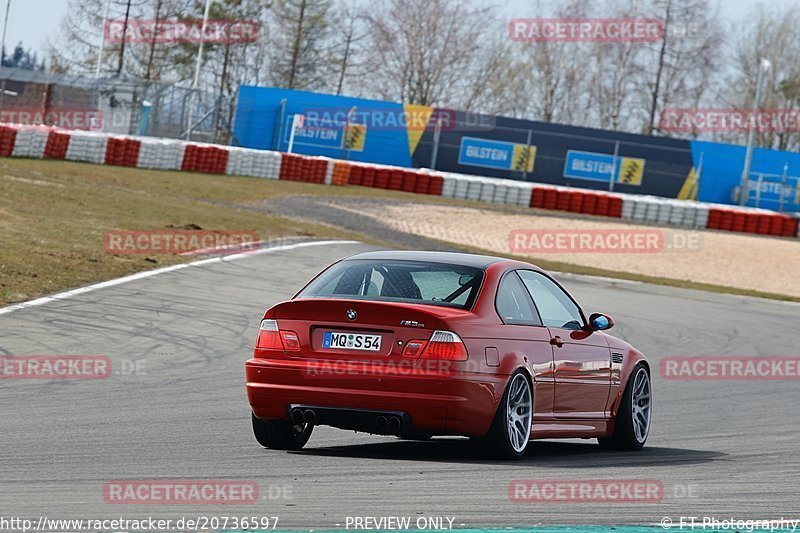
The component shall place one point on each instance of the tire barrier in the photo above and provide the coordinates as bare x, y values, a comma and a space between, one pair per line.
87, 147
122, 152
8, 138
161, 154
44, 142
253, 163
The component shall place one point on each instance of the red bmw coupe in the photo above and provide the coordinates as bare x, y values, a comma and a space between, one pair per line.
416, 344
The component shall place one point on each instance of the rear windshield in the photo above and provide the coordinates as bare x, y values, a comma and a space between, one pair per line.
398, 281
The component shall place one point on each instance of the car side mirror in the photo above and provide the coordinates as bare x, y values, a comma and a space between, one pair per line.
600, 322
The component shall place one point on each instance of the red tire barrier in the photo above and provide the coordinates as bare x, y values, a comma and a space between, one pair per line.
750, 223
409, 181
122, 152
57, 145
576, 202
396, 179
422, 183
562, 200
776, 225
291, 167
763, 224
726, 220
790, 226
319, 170
205, 159
589, 204
369, 176
603, 205
382, 177
537, 197
615, 206
739, 221
550, 198
8, 138
356, 175
435, 185
714, 219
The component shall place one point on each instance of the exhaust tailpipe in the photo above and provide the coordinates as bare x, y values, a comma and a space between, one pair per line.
381, 422
394, 423
309, 416
297, 416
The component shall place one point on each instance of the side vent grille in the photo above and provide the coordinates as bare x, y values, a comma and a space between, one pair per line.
616, 357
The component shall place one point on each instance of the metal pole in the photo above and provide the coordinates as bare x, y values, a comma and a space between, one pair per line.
763, 67
102, 40
296, 121
437, 133
198, 65
614, 168
5, 29
345, 144
3, 50
277, 133
783, 186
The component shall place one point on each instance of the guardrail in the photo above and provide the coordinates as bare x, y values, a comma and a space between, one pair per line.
166, 154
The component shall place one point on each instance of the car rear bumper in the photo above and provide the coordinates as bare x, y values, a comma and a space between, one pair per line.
456, 403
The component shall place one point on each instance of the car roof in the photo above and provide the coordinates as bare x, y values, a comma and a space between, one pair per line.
453, 258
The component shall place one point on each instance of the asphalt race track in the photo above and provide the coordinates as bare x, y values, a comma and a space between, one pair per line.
719, 448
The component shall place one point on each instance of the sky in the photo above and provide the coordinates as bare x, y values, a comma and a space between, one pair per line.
32, 21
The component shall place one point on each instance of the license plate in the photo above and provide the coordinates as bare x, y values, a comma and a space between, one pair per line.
351, 341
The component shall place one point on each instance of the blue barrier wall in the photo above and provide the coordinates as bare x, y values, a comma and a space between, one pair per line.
263, 122
382, 132
721, 173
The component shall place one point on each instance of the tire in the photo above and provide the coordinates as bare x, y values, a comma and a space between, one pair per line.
281, 434
628, 434
501, 441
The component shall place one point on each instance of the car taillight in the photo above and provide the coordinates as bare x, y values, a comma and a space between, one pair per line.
271, 337
268, 336
445, 345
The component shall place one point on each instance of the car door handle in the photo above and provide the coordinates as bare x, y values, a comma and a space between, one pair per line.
557, 341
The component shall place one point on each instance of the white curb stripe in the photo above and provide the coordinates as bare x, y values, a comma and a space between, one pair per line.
141, 275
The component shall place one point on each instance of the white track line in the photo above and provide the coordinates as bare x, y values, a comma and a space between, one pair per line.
141, 275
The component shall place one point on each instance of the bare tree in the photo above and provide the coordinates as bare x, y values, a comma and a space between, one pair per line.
423, 50
767, 32
551, 82
300, 40
351, 17
679, 68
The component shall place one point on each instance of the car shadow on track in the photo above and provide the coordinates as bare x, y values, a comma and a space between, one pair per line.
540, 454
